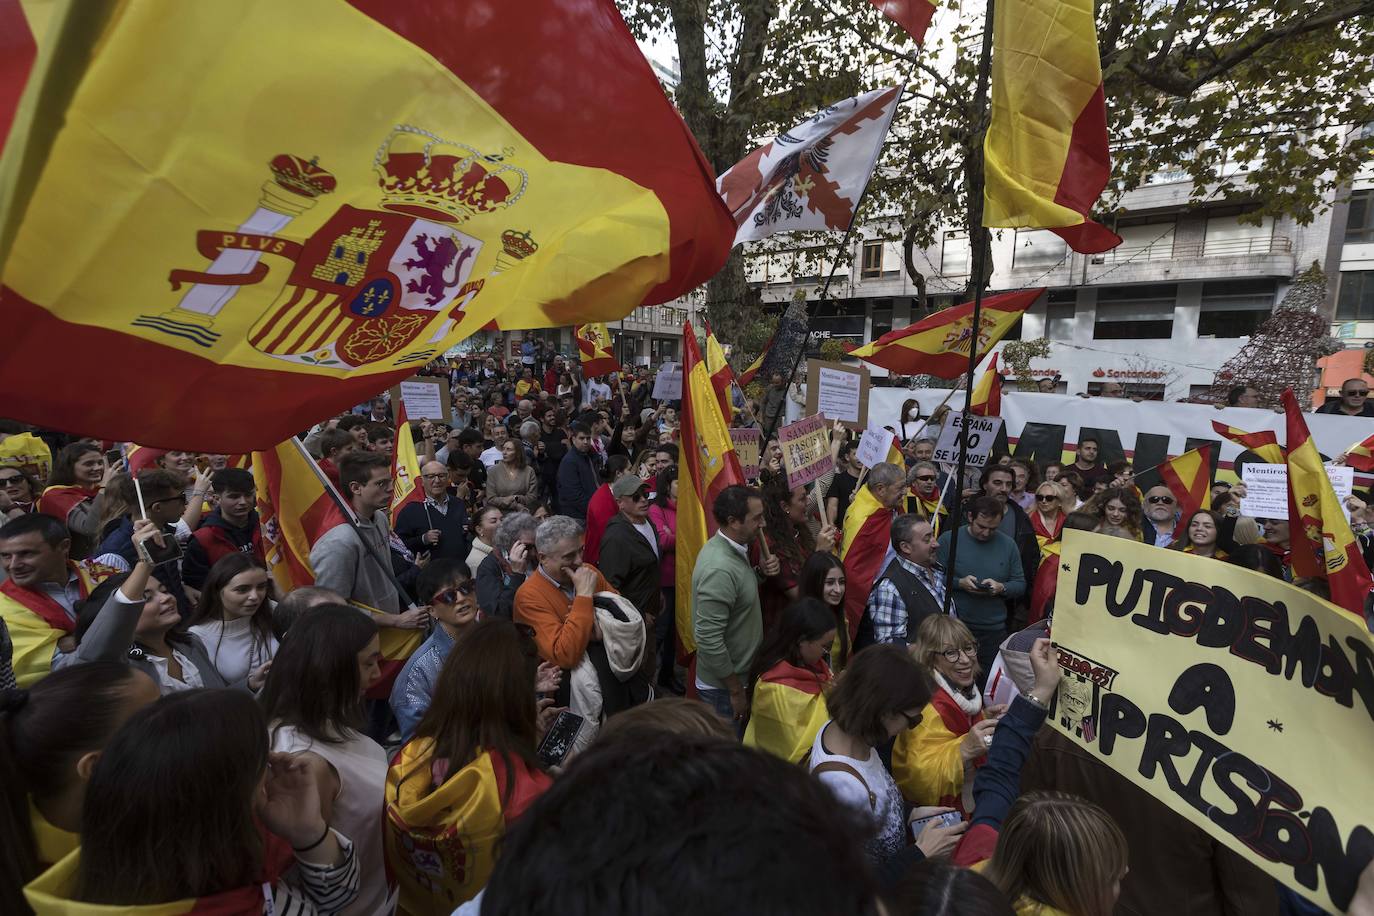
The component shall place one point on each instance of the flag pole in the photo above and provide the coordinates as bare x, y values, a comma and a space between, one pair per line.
979, 266
825, 289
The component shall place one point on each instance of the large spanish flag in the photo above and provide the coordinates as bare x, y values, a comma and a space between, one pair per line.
1265, 444
1323, 545
1045, 154
594, 349
320, 196
867, 534
709, 465
1189, 478
295, 509
939, 344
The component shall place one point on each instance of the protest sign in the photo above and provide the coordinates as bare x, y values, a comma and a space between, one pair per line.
1243, 703
1266, 489
982, 433
425, 399
837, 392
874, 446
805, 450
747, 450
668, 383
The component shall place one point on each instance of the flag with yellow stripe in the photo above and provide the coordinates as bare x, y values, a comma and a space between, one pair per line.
1264, 444
594, 349
939, 345
1189, 478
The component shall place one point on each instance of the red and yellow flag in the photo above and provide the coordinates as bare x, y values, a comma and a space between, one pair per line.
594, 348
1323, 545
912, 15
1360, 456
709, 465
405, 466
320, 197
1189, 478
747, 375
1264, 444
722, 376
787, 710
295, 509
867, 534
986, 399
939, 344
1045, 153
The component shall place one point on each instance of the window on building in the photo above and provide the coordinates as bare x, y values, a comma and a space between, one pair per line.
882, 317
1059, 320
1143, 241
1359, 223
1235, 308
1037, 248
872, 260
1136, 312
1355, 302
1228, 236
954, 254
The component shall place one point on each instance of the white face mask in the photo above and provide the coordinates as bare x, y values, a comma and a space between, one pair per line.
914, 413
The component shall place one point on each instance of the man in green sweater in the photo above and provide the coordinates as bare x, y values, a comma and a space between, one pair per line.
987, 573
727, 622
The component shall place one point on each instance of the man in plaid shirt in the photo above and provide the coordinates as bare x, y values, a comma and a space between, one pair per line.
912, 586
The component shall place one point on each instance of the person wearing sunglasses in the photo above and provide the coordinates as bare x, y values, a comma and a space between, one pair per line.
447, 586
630, 549
1353, 402
20, 489
1161, 511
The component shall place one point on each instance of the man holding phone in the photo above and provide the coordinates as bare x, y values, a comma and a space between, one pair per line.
987, 573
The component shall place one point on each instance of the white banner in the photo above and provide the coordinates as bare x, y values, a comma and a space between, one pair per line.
1049, 426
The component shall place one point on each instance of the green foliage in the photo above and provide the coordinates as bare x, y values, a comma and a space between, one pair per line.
833, 350
1017, 355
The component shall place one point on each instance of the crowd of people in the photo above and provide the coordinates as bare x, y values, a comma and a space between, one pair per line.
802, 737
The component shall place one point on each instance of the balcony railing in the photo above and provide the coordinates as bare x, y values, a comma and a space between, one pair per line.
1169, 249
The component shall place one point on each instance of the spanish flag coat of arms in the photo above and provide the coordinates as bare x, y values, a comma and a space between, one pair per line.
290, 206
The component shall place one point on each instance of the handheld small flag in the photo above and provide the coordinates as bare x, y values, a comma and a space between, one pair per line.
986, 399
1360, 456
1045, 152
595, 350
812, 176
405, 467
722, 377
939, 345
1265, 444
747, 375
1324, 547
1189, 478
912, 15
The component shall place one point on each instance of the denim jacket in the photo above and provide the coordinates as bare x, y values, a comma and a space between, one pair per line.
414, 686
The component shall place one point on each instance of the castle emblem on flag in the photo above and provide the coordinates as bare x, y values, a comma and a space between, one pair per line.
368, 283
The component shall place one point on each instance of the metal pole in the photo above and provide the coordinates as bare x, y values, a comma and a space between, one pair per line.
979, 233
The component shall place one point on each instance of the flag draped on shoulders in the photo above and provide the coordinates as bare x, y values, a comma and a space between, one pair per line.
986, 399
1265, 444
1045, 152
787, 710
709, 465
812, 176
1189, 478
321, 197
867, 534
594, 349
1323, 545
939, 344
405, 467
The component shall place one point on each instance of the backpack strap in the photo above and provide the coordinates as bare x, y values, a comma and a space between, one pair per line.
835, 766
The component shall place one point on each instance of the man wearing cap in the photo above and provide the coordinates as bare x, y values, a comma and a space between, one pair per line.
629, 548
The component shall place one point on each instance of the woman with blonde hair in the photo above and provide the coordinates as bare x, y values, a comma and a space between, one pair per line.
1059, 855
934, 762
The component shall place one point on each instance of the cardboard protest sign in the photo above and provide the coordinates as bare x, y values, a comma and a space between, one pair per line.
668, 383
1243, 703
874, 446
837, 392
805, 450
747, 448
425, 398
982, 433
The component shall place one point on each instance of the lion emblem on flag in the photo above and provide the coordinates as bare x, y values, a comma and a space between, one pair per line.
368, 285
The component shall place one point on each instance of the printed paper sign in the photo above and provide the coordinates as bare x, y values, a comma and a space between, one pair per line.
805, 450
424, 398
982, 433
837, 392
747, 448
668, 383
1243, 703
1266, 489
874, 446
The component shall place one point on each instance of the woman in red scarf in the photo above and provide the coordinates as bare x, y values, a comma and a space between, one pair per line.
73, 495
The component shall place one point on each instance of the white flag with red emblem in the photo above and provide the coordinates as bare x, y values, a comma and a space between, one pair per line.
812, 176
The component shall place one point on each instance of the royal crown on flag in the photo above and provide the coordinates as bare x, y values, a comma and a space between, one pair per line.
424, 175
301, 176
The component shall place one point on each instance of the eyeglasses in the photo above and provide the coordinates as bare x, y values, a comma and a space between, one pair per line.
926, 478
1155, 500
1359, 391
435, 476
952, 655
450, 595
1046, 498
11, 481
641, 493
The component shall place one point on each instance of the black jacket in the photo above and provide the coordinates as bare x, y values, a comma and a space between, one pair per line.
417, 518
577, 481
1027, 546
496, 588
631, 565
